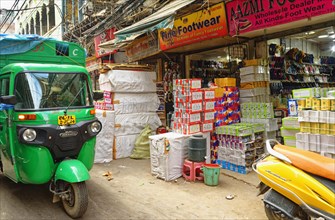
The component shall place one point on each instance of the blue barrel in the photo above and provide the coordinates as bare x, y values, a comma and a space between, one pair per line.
197, 148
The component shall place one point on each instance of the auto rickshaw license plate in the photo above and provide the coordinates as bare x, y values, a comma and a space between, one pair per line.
66, 120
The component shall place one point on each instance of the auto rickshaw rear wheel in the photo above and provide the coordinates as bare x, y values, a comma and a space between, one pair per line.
75, 201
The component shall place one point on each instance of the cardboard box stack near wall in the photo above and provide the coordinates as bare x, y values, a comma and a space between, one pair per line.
131, 92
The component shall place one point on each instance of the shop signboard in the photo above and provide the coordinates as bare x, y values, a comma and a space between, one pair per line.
196, 27
102, 38
249, 15
142, 48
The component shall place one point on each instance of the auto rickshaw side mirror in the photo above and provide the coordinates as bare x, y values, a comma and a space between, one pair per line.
97, 95
8, 99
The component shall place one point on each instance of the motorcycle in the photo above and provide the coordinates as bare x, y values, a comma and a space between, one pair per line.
298, 184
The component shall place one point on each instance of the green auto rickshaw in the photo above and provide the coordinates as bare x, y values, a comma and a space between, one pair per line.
48, 126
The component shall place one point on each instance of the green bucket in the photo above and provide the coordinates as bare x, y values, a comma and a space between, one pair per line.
211, 174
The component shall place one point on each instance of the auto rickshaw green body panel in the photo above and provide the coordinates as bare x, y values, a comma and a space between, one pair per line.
37, 162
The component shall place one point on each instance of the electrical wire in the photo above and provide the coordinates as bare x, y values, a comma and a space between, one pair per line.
9, 14
15, 16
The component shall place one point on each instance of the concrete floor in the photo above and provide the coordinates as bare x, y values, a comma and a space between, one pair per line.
134, 193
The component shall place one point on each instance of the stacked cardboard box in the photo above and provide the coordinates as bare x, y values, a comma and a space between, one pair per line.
239, 145
194, 107
290, 127
317, 132
254, 84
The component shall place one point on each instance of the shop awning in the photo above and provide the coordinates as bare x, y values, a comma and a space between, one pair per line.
163, 18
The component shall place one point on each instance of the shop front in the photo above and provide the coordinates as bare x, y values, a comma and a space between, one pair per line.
294, 45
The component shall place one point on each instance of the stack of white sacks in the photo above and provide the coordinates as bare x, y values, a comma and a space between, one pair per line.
135, 104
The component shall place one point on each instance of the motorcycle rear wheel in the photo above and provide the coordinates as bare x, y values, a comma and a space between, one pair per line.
76, 202
274, 214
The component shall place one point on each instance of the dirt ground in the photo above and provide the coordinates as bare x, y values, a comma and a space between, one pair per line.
133, 193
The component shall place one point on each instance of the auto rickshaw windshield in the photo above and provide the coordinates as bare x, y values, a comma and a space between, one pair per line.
51, 90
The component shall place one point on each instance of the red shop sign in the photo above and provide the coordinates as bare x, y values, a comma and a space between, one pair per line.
102, 38
249, 15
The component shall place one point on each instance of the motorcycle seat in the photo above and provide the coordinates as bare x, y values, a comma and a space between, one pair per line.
309, 161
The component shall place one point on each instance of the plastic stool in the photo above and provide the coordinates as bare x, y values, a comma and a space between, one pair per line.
187, 170
198, 173
192, 170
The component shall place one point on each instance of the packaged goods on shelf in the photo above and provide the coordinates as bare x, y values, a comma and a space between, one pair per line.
315, 92
290, 122
105, 139
167, 154
289, 132
304, 93
289, 141
253, 69
269, 123
255, 62
316, 142
239, 145
316, 116
257, 110
224, 82
252, 85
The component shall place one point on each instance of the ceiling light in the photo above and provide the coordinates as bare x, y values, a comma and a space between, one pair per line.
333, 48
323, 36
332, 36
219, 57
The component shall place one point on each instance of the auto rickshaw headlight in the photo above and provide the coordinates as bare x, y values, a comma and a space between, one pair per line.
95, 127
29, 135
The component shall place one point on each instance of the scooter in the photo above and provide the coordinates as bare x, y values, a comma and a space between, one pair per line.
299, 184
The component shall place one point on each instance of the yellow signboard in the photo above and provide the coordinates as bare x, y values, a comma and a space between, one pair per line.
201, 25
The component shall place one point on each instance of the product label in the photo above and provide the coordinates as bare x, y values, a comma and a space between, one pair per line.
249, 15
210, 94
207, 127
195, 117
196, 107
196, 96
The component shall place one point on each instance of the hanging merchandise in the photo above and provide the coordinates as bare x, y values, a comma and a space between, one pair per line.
171, 72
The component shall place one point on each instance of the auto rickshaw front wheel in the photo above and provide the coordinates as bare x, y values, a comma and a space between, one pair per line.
75, 200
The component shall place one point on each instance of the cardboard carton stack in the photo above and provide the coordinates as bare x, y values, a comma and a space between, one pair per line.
290, 127
239, 145
254, 84
194, 107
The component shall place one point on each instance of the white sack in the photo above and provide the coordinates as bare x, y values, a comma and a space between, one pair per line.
167, 163
104, 83
127, 124
124, 146
126, 103
132, 81
105, 139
